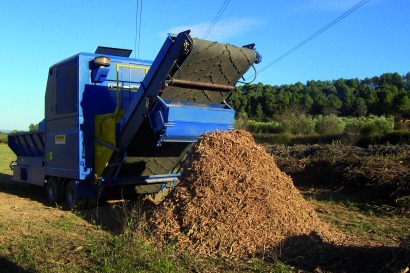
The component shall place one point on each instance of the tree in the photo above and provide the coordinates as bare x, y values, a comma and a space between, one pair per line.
401, 104
319, 101
385, 97
235, 101
345, 93
407, 81
370, 97
359, 108
333, 106
259, 112
387, 94
270, 104
33, 127
392, 79
306, 102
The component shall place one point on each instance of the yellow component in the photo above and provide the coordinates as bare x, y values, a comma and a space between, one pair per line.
105, 132
105, 127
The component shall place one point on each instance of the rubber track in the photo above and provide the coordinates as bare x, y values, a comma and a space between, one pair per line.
210, 62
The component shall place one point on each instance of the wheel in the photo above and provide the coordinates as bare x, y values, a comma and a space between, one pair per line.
72, 200
54, 190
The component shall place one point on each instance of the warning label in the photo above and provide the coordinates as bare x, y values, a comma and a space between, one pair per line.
60, 139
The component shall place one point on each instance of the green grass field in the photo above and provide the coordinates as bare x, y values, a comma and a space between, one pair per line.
6, 157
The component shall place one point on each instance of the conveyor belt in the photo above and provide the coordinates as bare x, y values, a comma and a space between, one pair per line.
210, 62
145, 158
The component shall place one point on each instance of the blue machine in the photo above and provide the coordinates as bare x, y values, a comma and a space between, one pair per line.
115, 121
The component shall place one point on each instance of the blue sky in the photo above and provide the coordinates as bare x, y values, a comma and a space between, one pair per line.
373, 40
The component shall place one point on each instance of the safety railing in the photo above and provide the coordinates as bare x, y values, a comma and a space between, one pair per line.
120, 86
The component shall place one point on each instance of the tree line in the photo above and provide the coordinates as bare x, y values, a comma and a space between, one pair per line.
388, 94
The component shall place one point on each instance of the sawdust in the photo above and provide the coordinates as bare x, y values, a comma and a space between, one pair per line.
233, 201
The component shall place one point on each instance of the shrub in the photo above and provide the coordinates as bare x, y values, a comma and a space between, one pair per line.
371, 126
377, 126
241, 121
257, 127
298, 124
283, 138
329, 125
303, 128
397, 137
3, 138
353, 125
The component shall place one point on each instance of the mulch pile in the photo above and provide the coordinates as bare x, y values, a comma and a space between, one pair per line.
382, 170
233, 201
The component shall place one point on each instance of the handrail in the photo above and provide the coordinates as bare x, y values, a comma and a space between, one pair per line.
117, 69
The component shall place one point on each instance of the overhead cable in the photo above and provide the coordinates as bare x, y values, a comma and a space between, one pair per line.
338, 19
218, 15
138, 23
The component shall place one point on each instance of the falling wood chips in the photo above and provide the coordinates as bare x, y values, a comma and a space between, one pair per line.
233, 201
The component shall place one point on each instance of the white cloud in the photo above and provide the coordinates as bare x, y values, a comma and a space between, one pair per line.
222, 30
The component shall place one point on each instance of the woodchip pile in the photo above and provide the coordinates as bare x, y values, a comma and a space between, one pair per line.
233, 201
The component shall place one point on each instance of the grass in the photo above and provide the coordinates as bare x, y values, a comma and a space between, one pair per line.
3, 138
66, 223
366, 225
70, 244
46, 252
6, 156
121, 253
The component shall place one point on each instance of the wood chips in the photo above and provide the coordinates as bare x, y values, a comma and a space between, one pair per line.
233, 201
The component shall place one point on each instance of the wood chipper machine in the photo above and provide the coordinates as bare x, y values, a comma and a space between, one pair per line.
114, 122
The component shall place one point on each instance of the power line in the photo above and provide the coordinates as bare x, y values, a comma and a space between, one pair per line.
138, 23
139, 31
218, 15
136, 30
341, 17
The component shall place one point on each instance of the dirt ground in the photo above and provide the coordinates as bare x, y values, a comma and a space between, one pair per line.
24, 208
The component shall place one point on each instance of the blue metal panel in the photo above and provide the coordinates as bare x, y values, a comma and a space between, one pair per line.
62, 147
180, 121
27, 143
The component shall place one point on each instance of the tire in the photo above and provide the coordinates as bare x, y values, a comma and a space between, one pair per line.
72, 200
55, 190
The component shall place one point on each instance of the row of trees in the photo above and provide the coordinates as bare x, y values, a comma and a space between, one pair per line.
388, 94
